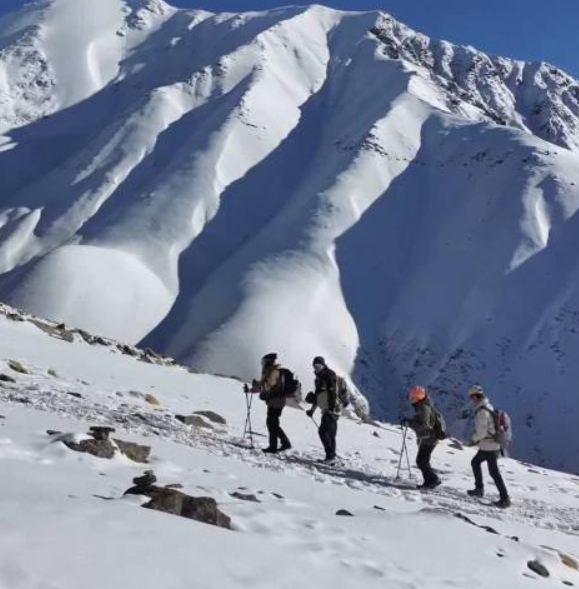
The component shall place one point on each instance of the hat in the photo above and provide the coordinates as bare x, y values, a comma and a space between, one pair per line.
476, 390
269, 358
417, 393
319, 360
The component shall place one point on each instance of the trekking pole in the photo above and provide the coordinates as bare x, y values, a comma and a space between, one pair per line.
410, 476
315, 422
403, 450
401, 453
248, 431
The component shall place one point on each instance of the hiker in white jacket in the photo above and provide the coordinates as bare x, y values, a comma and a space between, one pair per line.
488, 447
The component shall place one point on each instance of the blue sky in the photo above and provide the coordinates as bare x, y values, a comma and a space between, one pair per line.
523, 29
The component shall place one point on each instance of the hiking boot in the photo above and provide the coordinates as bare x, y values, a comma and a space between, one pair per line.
503, 503
328, 459
431, 484
285, 447
269, 450
476, 493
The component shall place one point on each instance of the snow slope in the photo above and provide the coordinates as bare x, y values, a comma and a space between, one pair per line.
65, 523
302, 180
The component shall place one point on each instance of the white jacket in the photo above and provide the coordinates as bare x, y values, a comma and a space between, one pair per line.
485, 430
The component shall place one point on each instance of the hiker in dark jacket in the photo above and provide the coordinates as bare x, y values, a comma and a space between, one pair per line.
423, 424
325, 397
488, 448
270, 389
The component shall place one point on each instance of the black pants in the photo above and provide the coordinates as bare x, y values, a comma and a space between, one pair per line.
423, 463
328, 430
491, 459
274, 429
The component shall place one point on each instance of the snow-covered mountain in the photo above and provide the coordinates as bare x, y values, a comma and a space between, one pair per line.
301, 180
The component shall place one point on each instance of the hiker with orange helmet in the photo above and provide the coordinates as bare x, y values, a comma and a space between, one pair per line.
424, 423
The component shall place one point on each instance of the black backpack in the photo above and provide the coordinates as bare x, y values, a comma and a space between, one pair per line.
289, 384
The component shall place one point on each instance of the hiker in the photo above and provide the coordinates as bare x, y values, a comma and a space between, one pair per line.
325, 397
271, 390
488, 447
423, 423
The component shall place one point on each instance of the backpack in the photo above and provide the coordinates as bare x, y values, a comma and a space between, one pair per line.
439, 427
290, 385
503, 428
342, 392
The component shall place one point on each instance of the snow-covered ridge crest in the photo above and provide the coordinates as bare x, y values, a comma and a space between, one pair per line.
300, 180
537, 97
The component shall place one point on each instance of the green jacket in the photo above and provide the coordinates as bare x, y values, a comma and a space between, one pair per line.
423, 422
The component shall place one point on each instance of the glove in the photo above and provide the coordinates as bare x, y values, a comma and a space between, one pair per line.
263, 396
310, 398
405, 422
245, 388
310, 412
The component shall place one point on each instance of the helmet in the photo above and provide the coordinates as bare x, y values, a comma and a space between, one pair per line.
476, 390
417, 393
269, 358
319, 360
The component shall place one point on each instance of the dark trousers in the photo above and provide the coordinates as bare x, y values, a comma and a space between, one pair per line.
328, 430
274, 428
423, 463
491, 459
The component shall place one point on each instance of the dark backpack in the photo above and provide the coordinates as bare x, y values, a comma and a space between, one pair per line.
289, 384
342, 392
439, 427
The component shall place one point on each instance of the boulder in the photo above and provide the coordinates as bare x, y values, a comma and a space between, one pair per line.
6, 378
569, 561
58, 331
98, 448
194, 421
344, 512
152, 354
212, 416
152, 400
124, 349
14, 317
538, 568
245, 497
201, 509
143, 484
18, 367
169, 500
100, 432
136, 452
52, 372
